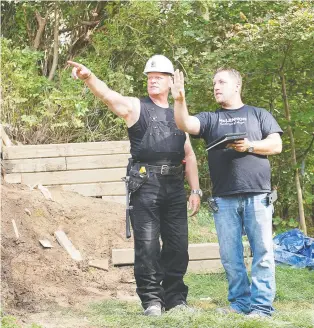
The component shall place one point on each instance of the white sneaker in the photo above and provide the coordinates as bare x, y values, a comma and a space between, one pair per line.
153, 310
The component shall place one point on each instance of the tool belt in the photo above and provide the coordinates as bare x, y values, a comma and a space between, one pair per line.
139, 173
166, 169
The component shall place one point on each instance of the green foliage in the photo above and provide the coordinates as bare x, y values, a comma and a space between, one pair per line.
282, 225
9, 322
39, 111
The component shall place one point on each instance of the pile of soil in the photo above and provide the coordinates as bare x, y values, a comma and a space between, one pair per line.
35, 278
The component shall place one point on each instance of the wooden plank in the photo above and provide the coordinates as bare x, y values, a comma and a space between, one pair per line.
205, 266
115, 199
126, 257
102, 264
17, 235
204, 251
73, 177
13, 178
34, 165
122, 256
197, 252
67, 150
208, 251
4, 137
97, 189
210, 266
97, 162
67, 245
45, 243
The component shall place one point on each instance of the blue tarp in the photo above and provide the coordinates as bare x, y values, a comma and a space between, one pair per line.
294, 248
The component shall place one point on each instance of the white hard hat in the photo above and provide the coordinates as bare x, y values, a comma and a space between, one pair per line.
159, 63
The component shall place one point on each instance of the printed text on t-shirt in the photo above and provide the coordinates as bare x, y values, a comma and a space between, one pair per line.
233, 121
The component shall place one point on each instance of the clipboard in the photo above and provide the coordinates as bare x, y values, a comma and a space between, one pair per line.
222, 141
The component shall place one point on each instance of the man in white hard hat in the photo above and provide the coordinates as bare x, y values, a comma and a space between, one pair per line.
158, 148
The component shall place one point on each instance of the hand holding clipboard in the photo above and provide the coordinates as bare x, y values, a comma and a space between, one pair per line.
222, 141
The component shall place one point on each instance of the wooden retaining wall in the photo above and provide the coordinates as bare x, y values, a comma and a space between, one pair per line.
91, 168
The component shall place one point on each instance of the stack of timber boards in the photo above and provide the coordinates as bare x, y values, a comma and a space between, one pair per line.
91, 168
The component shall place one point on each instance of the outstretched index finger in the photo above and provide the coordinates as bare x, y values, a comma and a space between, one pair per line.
75, 64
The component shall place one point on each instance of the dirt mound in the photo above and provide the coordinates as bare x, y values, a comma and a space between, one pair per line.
33, 277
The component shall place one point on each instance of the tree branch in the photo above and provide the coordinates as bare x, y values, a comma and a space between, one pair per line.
29, 31
285, 56
55, 46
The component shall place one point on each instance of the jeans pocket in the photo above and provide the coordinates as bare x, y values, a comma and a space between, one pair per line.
261, 199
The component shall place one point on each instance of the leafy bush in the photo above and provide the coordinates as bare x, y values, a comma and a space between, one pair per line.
38, 111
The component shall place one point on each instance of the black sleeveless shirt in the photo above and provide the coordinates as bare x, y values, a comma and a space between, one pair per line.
155, 138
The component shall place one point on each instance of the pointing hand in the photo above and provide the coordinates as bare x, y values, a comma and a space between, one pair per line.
79, 71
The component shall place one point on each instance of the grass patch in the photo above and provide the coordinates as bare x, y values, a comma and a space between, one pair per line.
294, 284
294, 306
9, 321
202, 228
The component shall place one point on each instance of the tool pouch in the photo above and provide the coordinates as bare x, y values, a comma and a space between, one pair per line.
271, 197
138, 176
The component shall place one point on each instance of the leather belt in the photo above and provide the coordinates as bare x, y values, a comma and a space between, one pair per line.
166, 169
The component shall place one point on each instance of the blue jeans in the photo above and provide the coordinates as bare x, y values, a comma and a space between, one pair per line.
251, 212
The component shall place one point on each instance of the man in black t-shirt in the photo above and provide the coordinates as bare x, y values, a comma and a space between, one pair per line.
240, 174
158, 207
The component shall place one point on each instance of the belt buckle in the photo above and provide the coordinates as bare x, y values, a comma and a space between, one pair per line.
164, 169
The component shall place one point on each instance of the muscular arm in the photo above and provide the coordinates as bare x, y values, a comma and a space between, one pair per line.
271, 145
184, 121
126, 107
191, 172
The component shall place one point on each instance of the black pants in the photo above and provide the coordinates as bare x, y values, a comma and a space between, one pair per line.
160, 209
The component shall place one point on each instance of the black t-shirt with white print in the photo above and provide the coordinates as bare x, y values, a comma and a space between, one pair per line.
235, 172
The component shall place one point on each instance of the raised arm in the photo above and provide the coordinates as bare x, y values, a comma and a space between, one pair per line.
126, 107
184, 121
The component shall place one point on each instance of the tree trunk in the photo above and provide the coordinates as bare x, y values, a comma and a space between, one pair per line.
41, 27
293, 153
55, 46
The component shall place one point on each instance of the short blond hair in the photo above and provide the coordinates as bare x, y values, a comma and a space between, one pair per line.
232, 72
